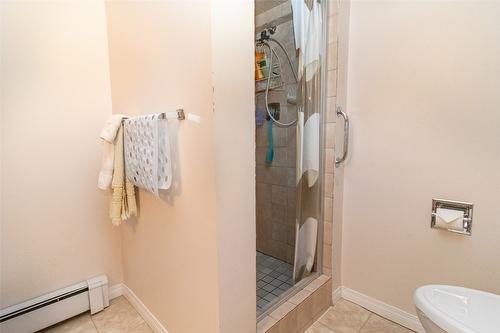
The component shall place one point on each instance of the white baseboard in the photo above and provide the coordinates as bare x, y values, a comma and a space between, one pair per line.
336, 295
385, 310
115, 291
148, 317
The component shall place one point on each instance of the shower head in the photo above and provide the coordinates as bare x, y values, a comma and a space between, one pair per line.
266, 33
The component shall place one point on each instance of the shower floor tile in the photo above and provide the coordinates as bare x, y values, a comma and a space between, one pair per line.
274, 277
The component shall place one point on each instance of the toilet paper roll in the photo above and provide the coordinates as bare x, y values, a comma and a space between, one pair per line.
450, 219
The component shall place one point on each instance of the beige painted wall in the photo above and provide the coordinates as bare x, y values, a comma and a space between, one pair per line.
55, 97
423, 97
160, 59
234, 151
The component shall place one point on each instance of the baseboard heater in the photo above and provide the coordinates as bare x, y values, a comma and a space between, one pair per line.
49, 309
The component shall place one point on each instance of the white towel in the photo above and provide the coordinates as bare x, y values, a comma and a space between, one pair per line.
147, 153
108, 135
107, 164
109, 131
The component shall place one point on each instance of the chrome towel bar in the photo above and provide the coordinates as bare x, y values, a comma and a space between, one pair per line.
177, 114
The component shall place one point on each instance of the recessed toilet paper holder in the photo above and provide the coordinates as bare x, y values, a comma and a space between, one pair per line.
464, 207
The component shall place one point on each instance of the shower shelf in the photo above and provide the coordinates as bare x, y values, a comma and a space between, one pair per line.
275, 83
274, 77
278, 88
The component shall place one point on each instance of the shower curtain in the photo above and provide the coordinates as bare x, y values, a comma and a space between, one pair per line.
308, 30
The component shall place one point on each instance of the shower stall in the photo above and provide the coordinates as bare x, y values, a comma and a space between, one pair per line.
290, 47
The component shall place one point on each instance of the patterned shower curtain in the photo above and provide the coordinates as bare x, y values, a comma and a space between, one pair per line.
308, 30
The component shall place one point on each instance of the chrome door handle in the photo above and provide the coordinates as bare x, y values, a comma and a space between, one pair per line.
339, 112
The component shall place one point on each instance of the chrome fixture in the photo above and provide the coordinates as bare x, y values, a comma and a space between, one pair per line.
339, 112
177, 114
465, 207
265, 34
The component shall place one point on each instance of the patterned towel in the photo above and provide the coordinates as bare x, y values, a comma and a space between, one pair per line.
147, 153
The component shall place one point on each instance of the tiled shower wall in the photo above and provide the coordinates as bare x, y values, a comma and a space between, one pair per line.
275, 183
329, 154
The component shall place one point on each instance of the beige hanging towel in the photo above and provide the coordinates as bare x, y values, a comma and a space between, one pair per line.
123, 203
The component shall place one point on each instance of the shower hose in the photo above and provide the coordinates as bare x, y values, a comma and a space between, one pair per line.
271, 51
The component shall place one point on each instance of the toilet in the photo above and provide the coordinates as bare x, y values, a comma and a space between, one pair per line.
450, 309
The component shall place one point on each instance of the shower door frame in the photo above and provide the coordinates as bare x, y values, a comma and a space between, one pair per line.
323, 104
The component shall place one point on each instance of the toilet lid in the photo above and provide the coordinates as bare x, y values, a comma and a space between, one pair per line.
460, 310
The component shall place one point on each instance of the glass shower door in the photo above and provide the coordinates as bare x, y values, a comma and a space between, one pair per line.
289, 102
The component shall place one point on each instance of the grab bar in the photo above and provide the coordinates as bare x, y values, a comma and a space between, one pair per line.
339, 112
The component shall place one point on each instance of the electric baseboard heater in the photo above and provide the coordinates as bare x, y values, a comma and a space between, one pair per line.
49, 309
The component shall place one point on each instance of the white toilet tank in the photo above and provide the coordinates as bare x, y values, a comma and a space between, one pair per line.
452, 309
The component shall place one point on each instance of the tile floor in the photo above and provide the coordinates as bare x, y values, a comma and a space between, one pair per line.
119, 317
347, 317
274, 277
343, 317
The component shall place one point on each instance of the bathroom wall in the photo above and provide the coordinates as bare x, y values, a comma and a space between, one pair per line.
275, 182
55, 97
234, 108
170, 250
423, 97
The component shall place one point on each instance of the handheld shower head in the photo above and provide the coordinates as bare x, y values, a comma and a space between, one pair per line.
266, 33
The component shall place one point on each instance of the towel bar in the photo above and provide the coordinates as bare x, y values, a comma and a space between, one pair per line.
177, 114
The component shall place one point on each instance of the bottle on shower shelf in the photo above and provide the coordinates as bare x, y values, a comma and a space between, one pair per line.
261, 67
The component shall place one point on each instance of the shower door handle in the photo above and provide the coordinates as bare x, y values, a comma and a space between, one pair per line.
339, 112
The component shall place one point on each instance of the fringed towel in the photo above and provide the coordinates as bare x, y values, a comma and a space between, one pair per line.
112, 173
123, 204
